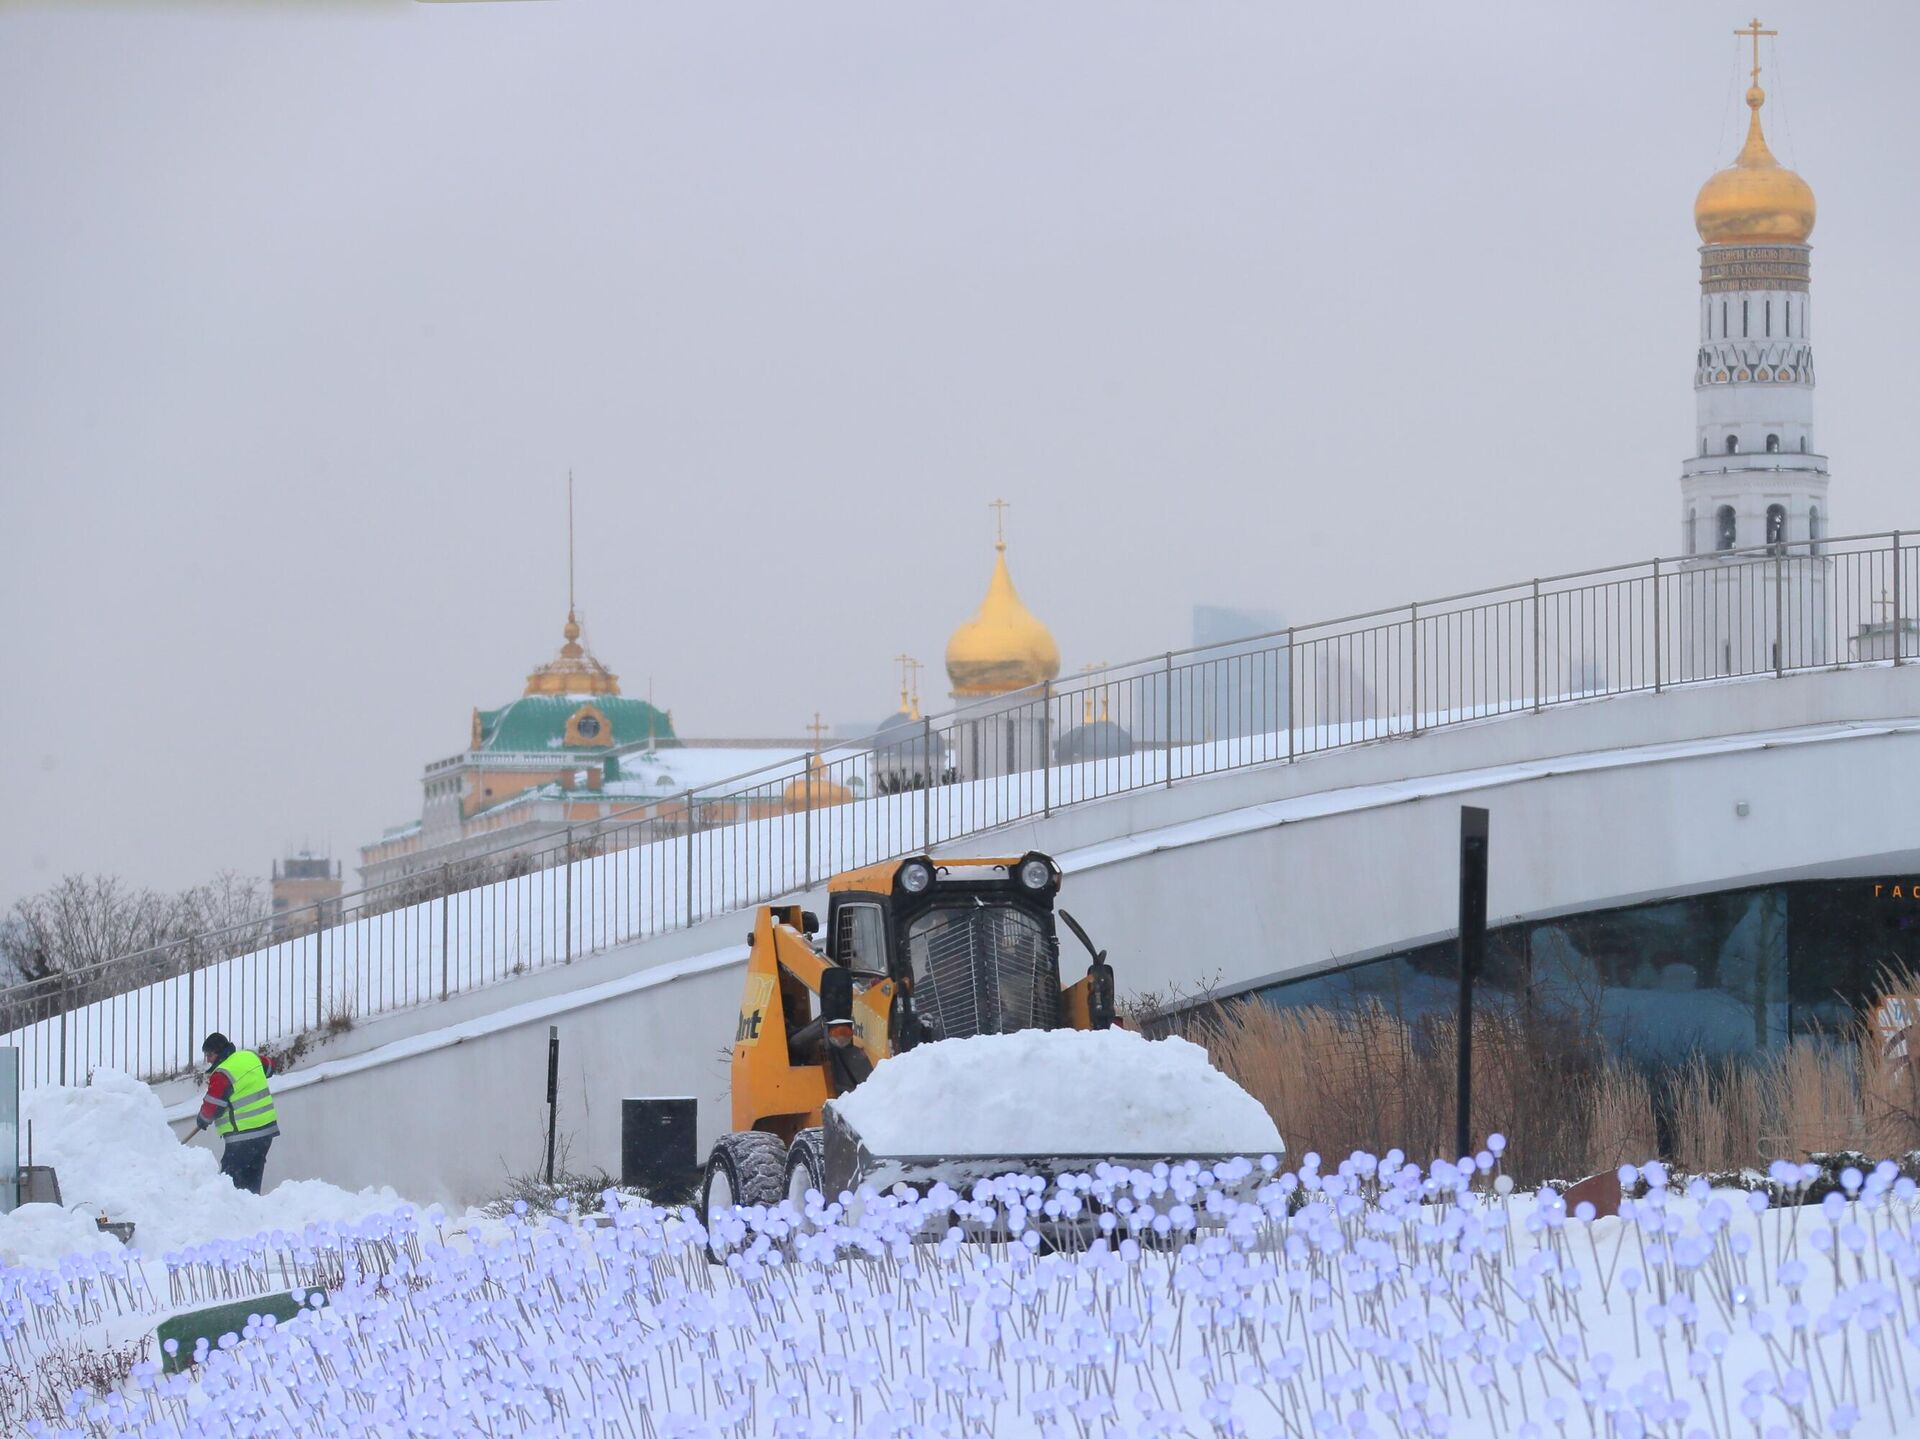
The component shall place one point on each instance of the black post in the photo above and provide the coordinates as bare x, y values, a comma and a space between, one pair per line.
1473, 950
553, 1092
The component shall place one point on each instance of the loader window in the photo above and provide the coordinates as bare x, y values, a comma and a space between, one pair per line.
860, 939
984, 969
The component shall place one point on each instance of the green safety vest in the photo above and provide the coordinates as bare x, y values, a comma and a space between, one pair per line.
250, 1106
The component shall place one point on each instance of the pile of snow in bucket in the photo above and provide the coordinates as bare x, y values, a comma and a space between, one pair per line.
1057, 1092
114, 1154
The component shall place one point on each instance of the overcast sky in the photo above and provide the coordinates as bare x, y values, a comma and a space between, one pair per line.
307, 309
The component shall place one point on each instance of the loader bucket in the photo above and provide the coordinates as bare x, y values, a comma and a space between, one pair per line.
850, 1164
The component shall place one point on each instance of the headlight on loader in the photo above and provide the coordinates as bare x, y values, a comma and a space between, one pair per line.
916, 877
1036, 874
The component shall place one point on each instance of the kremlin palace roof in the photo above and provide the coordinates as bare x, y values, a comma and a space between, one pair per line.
579, 724
572, 705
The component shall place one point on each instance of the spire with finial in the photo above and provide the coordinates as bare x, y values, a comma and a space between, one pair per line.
905, 661
1756, 200
574, 672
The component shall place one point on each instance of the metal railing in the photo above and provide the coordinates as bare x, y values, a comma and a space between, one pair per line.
671, 861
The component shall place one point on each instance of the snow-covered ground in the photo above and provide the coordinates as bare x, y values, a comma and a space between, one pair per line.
1366, 1300
115, 1157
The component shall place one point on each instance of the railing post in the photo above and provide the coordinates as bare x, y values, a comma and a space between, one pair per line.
316, 982
688, 877
1656, 624
566, 864
1896, 597
191, 1051
1539, 654
446, 878
926, 790
806, 826
1290, 695
1413, 627
1779, 613
1046, 748
1166, 734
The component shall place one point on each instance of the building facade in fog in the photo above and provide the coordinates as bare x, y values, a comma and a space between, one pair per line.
1246, 691
571, 751
305, 893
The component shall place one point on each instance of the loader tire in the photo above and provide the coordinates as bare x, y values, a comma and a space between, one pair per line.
807, 1167
745, 1170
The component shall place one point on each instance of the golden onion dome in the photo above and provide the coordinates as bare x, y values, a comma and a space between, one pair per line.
1756, 200
1003, 647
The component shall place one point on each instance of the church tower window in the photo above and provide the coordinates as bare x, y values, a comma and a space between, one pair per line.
1776, 529
1813, 528
1745, 307
1693, 531
1733, 444
1723, 528
1803, 444
1773, 444
1769, 321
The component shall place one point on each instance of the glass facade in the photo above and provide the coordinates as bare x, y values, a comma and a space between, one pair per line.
1723, 974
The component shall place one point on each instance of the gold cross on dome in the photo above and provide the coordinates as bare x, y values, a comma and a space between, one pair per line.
999, 508
817, 729
907, 665
1754, 32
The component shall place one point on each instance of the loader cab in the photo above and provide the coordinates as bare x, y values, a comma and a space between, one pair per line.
970, 944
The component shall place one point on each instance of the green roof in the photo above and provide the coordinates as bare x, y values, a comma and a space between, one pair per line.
537, 724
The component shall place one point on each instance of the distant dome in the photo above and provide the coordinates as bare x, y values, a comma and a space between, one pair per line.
1096, 739
814, 790
883, 733
1003, 647
1756, 200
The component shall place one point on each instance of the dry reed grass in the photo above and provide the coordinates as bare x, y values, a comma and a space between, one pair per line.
1336, 1081
1621, 1128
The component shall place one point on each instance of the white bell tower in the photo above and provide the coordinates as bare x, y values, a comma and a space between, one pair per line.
1753, 506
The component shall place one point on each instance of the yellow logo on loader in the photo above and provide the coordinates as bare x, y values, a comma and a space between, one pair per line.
753, 1009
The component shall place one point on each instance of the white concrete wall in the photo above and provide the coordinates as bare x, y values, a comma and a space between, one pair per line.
1240, 879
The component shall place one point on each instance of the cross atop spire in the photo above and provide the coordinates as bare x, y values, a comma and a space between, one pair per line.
999, 508
1753, 32
817, 729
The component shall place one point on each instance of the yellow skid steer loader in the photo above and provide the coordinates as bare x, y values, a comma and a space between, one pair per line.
916, 951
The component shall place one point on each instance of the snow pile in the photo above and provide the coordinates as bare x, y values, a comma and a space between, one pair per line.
110, 1146
1100, 1093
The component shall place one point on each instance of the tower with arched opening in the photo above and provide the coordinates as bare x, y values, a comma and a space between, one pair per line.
1755, 597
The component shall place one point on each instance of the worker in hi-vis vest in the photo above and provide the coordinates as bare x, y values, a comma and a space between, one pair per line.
239, 1103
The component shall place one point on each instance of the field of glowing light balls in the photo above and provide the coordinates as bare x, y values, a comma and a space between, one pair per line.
1371, 1299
